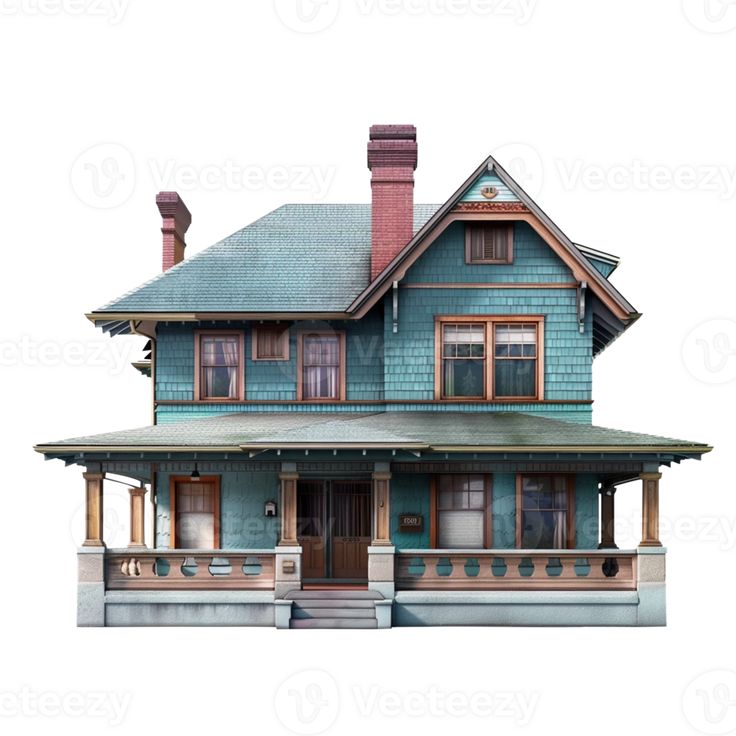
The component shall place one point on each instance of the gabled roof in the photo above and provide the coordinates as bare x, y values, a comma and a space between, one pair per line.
487, 432
398, 266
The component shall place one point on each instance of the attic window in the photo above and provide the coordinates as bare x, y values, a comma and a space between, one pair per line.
489, 242
271, 343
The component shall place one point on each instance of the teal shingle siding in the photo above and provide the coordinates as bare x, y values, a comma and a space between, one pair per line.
409, 371
410, 495
489, 179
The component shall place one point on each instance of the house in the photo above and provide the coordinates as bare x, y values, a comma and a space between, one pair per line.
375, 415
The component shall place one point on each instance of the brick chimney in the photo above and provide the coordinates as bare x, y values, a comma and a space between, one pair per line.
392, 158
176, 222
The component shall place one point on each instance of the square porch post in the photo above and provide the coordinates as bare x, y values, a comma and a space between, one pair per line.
650, 510
137, 517
288, 556
381, 553
93, 507
608, 493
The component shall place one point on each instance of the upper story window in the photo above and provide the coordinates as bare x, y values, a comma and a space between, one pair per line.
545, 512
489, 242
321, 369
489, 358
271, 343
219, 366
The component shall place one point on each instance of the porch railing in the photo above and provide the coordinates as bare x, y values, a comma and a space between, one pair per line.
184, 569
505, 569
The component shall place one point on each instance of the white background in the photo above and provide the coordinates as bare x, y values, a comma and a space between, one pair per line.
618, 117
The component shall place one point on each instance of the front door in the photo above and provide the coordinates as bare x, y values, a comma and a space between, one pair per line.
334, 528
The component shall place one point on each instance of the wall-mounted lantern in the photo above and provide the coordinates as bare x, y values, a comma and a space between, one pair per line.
269, 508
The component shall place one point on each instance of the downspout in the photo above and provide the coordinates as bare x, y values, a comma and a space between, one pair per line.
396, 307
582, 289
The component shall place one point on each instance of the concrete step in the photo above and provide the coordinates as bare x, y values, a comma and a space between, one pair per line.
333, 623
334, 594
305, 613
334, 603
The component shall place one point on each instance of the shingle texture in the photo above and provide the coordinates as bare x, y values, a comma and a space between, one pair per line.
394, 428
300, 257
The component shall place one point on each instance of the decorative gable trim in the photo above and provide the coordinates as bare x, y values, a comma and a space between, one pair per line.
582, 269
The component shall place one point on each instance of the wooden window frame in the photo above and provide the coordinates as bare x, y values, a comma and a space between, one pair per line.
509, 226
198, 335
489, 390
342, 373
284, 339
173, 480
434, 509
570, 479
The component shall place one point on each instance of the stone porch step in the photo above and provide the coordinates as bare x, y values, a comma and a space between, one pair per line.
299, 612
333, 623
333, 594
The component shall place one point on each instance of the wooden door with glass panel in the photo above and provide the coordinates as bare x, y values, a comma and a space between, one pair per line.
334, 528
195, 513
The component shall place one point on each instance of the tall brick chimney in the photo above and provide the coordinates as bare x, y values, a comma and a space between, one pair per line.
176, 222
392, 158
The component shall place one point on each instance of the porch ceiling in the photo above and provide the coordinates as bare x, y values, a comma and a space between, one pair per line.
446, 432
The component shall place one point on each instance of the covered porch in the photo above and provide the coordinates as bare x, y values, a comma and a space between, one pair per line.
281, 517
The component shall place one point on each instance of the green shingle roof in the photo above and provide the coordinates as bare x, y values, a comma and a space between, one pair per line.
300, 257
422, 430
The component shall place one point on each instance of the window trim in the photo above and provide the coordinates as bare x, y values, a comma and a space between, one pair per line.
198, 335
340, 334
173, 480
489, 388
285, 339
434, 509
570, 478
469, 225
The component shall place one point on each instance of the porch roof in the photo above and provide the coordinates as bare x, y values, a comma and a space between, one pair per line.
445, 431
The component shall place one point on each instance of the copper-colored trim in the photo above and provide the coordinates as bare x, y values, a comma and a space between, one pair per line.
492, 285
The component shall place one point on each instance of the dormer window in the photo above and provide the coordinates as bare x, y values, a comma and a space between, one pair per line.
489, 242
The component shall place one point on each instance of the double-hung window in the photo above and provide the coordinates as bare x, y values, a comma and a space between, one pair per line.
489, 358
545, 512
462, 511
321, 370
219, 369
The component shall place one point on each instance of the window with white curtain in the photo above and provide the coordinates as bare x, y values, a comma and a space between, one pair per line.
546, 505
220, 366
321, 369
461, 511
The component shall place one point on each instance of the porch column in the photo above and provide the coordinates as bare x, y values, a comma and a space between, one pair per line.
137, 517
608, 493
288, 480
650, 510
381, 508
93, 505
